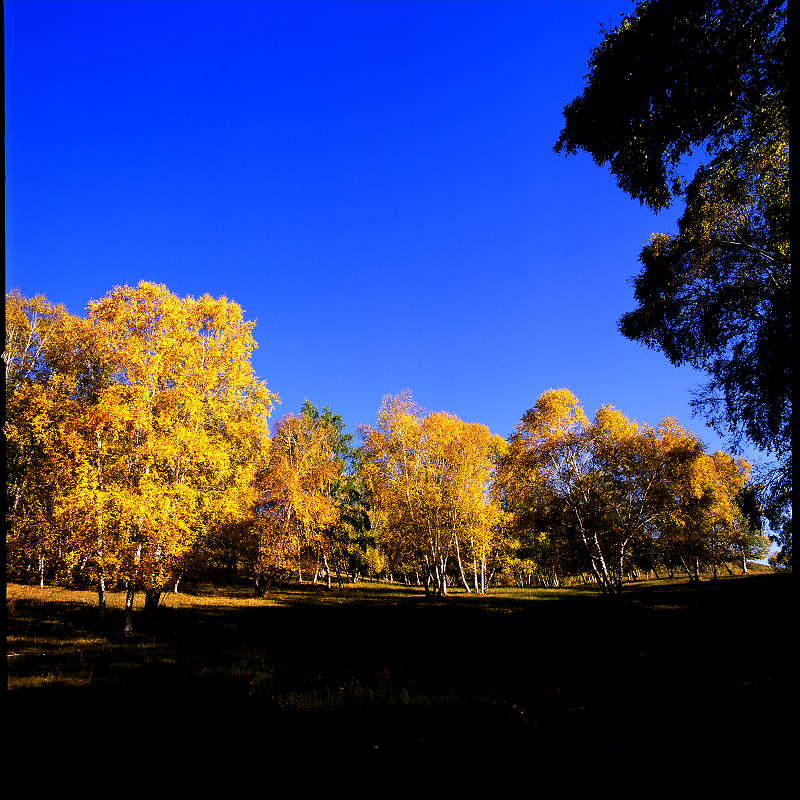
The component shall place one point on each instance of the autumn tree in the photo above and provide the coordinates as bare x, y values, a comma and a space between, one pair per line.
606, 483
54, 372
295, 504
348, 540
40, 381
140, 427
709, 78
196, 419
430, 481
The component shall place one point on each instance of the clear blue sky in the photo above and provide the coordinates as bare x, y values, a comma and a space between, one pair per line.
374, 182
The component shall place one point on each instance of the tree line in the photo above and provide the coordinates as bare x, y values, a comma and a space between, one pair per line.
139, 451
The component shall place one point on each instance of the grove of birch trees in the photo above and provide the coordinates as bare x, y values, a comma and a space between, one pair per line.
139, 453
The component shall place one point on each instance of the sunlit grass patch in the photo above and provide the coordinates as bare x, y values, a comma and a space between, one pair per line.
43, 680
219, 600
18, 595
61, 642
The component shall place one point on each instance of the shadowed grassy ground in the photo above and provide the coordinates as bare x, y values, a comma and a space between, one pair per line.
671, 669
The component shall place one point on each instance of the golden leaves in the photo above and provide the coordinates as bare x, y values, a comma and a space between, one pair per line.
155, 414
431, 477
295, 498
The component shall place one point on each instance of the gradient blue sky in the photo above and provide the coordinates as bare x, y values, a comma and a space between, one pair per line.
374, 182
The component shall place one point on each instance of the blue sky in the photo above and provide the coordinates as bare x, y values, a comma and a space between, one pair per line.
374, 182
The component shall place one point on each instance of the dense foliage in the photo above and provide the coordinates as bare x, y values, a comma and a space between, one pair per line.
707, 78
132, 435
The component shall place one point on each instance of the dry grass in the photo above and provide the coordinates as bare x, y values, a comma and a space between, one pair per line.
16, 592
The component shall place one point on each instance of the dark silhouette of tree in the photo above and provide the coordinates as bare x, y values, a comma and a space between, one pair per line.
707, 77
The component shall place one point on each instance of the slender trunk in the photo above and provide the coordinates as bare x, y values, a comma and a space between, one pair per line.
175, 587
728, 567
744, 564
620, 569
101, 593
461, 568
41, 572
128, 629
327, 569
336, 567
428, 577
602, 574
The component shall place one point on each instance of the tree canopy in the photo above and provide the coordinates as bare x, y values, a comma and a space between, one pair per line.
706, 78
610, 491
132, 434
430, 478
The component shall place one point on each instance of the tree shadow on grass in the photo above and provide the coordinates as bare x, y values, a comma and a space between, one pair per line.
393, 671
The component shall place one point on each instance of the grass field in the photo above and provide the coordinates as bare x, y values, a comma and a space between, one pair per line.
672, 668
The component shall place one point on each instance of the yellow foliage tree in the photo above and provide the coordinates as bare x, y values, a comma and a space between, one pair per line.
152, 420
44, 371
614, 479
430, 479
706, 525
295, 504
195, 415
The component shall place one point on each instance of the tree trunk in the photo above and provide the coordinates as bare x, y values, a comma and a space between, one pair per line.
151, 600
263, 582
128, 629
461, 568
338, 571
327, 569
101, 593
41, 572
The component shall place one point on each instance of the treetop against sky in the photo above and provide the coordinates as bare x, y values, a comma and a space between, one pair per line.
374, 183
